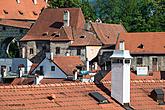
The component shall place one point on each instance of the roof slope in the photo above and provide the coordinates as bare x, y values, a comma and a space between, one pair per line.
144, 42
25, 10
75, 96
14, 23
108, 33
85, 38
51, 22
67, 63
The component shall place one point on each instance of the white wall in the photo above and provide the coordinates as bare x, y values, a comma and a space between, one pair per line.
47, 70
92, 51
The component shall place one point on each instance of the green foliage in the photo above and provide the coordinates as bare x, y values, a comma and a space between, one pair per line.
83, 4
135, 15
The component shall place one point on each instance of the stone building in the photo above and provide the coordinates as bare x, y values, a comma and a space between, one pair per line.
146, 48
62, 32
16, 18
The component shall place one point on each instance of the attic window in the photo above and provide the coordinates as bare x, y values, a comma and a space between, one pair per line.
158, 95
45, 34
6, 12
141, 46
52, 97
82, 36
20, 12
35, 13
98, 97
54, 33
57, 35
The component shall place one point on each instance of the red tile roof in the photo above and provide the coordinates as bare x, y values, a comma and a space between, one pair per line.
85, 38
25, 10
155, 76
68, 63
108, 33
14, 23
152, 42
75, 96
50, 22
22, 81
53, 80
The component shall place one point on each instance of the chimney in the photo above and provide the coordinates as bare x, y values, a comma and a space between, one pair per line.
87, 64
87, 25
49, 55
122, 45
95, 65
158, 96
3, 71
35, 2
120, 87
38, 78
75, 73
23, 52
66, 18
46, 1
18, 1
21, 70
67, 54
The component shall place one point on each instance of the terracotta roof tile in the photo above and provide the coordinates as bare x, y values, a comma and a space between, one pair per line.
25, 10
14, 23
108, 33
68, 96
152, 42
68, 63
85, 38
51, 22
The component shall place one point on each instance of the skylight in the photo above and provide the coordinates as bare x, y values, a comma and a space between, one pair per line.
98, 97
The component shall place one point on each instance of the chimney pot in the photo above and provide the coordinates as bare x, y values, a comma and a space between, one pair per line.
122, 45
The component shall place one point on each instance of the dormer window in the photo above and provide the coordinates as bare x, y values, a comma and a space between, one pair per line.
20, 12
141, 46
83, 36
45, 34
6, 12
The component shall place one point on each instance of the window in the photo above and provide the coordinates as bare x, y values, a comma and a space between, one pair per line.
154, 61
52, 68
117, 61
127, 61
31, 51
139, 61
41, 68
4, 28
21, 31
78, 51
57, 50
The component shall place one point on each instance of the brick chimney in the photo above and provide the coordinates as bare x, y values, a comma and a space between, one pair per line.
120, 87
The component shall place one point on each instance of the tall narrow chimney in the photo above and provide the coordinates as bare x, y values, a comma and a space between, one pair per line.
122, 45
66, 18
35, 2
120, 79
18, 1
87, 64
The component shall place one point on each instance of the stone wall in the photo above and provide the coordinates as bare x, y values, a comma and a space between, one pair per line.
7, 32
148, 62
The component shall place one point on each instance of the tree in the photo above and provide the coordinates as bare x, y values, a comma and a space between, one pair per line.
83, 4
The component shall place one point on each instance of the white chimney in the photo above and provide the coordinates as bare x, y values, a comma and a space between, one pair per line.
49, 55
18, 1
21, 70
46, 1
87, 64
95, 65
23, 52
120, 87
35, 2
3, 71
66, 18
75, 72
38, 78
122, 45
